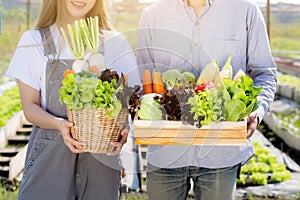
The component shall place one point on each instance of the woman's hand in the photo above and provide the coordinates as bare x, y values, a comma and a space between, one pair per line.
70, 142
119, 145
252, 123
35, 114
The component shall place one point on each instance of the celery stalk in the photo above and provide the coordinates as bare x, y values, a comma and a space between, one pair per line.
83, 33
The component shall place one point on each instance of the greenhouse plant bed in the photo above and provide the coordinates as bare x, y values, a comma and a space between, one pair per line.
291, 139
297, 96
11, 127
287, 91
163, 132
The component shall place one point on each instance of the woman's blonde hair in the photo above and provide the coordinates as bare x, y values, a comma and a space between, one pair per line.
52, 11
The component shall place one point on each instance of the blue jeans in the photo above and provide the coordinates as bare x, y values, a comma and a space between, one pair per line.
174, 183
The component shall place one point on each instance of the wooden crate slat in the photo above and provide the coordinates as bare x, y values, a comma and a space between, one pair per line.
163, 132
164, 124
189, 141
186, 133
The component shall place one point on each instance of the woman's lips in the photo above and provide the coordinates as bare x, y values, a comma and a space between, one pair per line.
78, 4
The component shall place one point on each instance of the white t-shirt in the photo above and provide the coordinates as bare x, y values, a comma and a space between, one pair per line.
29, 63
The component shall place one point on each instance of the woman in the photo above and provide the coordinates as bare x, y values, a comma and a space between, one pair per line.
54, 167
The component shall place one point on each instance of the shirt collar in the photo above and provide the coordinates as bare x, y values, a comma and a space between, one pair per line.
184, 3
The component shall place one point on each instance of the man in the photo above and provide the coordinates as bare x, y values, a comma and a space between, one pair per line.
187, 34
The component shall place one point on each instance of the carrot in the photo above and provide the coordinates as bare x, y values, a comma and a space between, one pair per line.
95, 70
158, 85
67, 72
147, 82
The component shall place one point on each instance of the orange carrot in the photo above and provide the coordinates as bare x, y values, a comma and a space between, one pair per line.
147, 82
67, 72
95, 70
158, 85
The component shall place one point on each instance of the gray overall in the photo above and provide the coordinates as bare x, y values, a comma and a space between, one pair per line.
51, 170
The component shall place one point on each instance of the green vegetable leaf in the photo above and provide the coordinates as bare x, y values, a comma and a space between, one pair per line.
85, 90
201, 107
114, 110
149, 108
233, 109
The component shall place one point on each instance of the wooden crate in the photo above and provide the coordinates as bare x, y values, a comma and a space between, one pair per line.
163, 132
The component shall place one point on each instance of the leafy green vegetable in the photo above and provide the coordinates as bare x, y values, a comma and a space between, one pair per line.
278, 167
149, 108
201, 107
290, 122
258, 167
242, 180
217, 102
266, 158
263, 168
289, 79
10, 103
245, 169
233, 109
259, 179
281, 176
84, 90
220, 98
240, 98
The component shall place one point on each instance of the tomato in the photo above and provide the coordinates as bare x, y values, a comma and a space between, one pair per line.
201, 88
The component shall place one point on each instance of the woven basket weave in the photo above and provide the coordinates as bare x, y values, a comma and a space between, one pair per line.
95, 130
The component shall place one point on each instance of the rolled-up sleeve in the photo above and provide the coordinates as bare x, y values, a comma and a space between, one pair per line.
260, 63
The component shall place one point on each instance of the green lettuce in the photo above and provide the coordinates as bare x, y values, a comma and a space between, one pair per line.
84, 90
240, 98
201, 107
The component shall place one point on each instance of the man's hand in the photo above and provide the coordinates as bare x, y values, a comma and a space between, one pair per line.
252, 123
70, 142
119, 145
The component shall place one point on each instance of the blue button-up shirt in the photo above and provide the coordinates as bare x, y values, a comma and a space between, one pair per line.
171, 35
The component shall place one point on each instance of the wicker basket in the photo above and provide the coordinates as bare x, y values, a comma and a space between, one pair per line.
97, 131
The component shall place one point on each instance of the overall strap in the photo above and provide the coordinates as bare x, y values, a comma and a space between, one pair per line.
48, 43
54, 74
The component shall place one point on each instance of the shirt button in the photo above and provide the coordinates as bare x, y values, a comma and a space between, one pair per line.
30, 163
196, 43
197, 23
